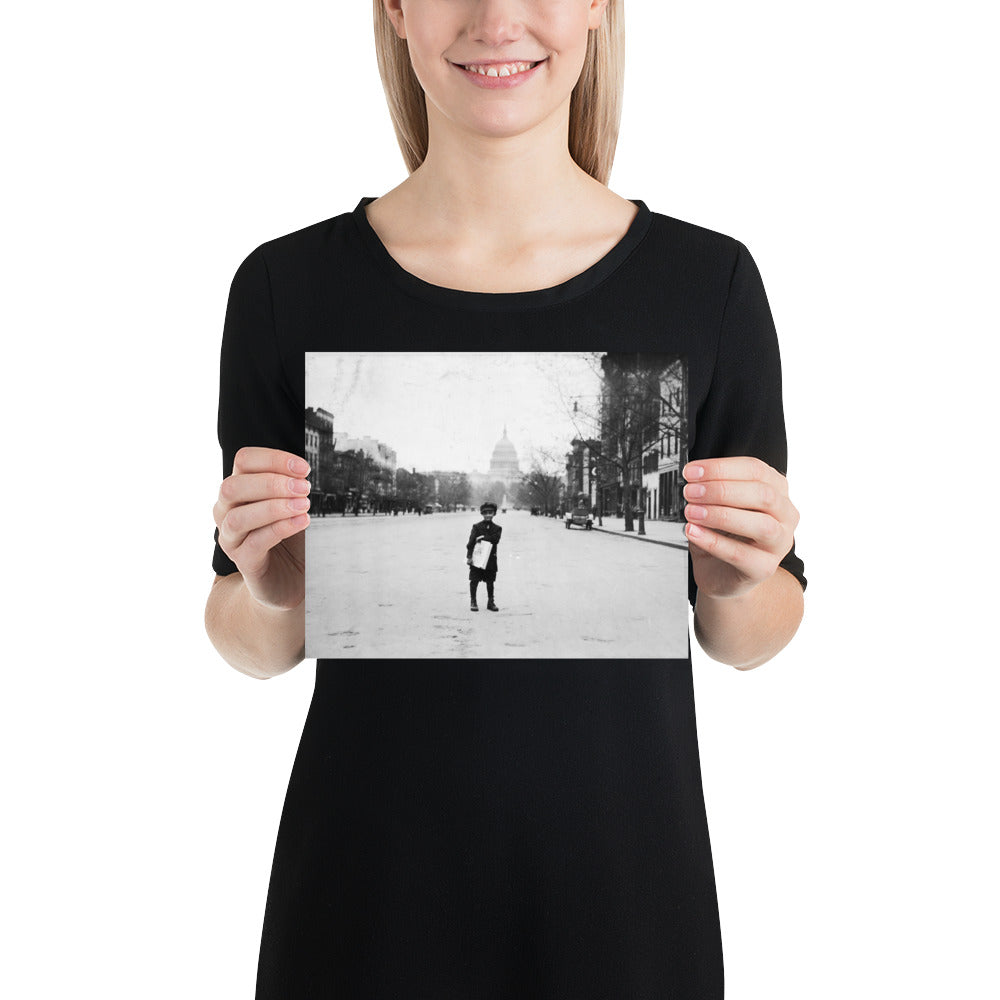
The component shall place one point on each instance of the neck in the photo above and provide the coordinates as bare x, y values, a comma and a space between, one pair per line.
474, 191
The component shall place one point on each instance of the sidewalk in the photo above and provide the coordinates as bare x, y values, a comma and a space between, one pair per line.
661, 532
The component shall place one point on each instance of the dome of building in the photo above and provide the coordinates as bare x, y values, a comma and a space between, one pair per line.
504, 464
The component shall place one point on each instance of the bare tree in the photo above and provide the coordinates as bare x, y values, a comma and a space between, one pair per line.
641, 402
542, 486
413, 489
493, 491
454, 490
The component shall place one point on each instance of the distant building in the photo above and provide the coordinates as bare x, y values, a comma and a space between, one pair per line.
319, 437
666, 454
381, 454
504, 466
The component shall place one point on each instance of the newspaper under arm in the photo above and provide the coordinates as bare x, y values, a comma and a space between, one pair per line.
481, 553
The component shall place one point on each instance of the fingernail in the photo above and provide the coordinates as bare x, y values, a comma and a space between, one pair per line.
299, 503
694, 531
692, 511
695, 491
694, 472
298, 485
298, 466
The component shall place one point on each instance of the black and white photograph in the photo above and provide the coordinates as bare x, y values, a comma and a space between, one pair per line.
496, 504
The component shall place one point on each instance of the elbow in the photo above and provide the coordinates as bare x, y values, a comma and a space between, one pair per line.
780, 638
229, 638
747, 634
222, 640
755, 663
236, 654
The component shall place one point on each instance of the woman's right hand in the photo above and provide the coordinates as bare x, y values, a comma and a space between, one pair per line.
260, 514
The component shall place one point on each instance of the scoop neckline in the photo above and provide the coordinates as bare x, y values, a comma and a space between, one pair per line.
577, 285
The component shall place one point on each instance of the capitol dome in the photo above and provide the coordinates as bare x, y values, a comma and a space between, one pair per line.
504, 464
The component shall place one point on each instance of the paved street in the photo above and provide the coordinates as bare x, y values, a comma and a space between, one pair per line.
398, 587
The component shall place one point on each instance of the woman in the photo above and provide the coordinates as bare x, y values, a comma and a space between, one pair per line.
485, 829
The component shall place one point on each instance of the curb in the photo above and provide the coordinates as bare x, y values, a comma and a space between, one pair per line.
641, 538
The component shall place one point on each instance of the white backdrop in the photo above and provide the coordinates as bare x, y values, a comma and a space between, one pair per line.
847, 781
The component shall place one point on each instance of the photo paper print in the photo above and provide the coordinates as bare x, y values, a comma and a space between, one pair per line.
496, 504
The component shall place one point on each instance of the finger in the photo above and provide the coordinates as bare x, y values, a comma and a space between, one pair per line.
743, 467
747, 496
751, 561
249, 459
248, 487
761, 529
738, 493
241, 520
252, 554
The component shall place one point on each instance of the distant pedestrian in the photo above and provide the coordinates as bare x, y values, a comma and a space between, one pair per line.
488, 533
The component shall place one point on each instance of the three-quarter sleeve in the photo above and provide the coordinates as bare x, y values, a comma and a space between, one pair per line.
257, 406
742, 413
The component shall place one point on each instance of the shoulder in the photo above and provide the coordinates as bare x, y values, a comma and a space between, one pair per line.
305, 280
666, 229
694, 269
307, 251
694, 248
303, 246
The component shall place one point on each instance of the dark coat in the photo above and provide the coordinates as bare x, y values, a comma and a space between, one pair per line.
491, 531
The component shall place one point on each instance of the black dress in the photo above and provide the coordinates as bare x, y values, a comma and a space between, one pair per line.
478, 830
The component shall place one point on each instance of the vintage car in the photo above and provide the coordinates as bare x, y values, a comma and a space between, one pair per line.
580, 516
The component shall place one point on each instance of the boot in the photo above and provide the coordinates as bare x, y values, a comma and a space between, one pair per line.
473, 606
490, 605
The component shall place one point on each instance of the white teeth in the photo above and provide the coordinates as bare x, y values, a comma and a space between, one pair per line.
507, 69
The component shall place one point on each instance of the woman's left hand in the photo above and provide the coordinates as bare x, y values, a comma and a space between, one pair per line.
740, 523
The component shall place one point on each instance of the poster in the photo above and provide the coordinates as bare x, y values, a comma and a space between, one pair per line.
581, 454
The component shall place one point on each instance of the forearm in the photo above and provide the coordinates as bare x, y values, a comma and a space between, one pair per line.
255, 640
749, 630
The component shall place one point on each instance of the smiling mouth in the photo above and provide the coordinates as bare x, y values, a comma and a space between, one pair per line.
510, 68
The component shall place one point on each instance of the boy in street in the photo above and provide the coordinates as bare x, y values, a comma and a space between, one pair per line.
489, 531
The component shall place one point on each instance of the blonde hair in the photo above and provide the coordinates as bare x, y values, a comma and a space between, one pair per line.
595, 106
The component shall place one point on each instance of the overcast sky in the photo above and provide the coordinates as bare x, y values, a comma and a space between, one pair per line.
448, 410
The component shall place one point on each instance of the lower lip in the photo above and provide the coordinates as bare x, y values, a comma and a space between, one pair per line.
499, 82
